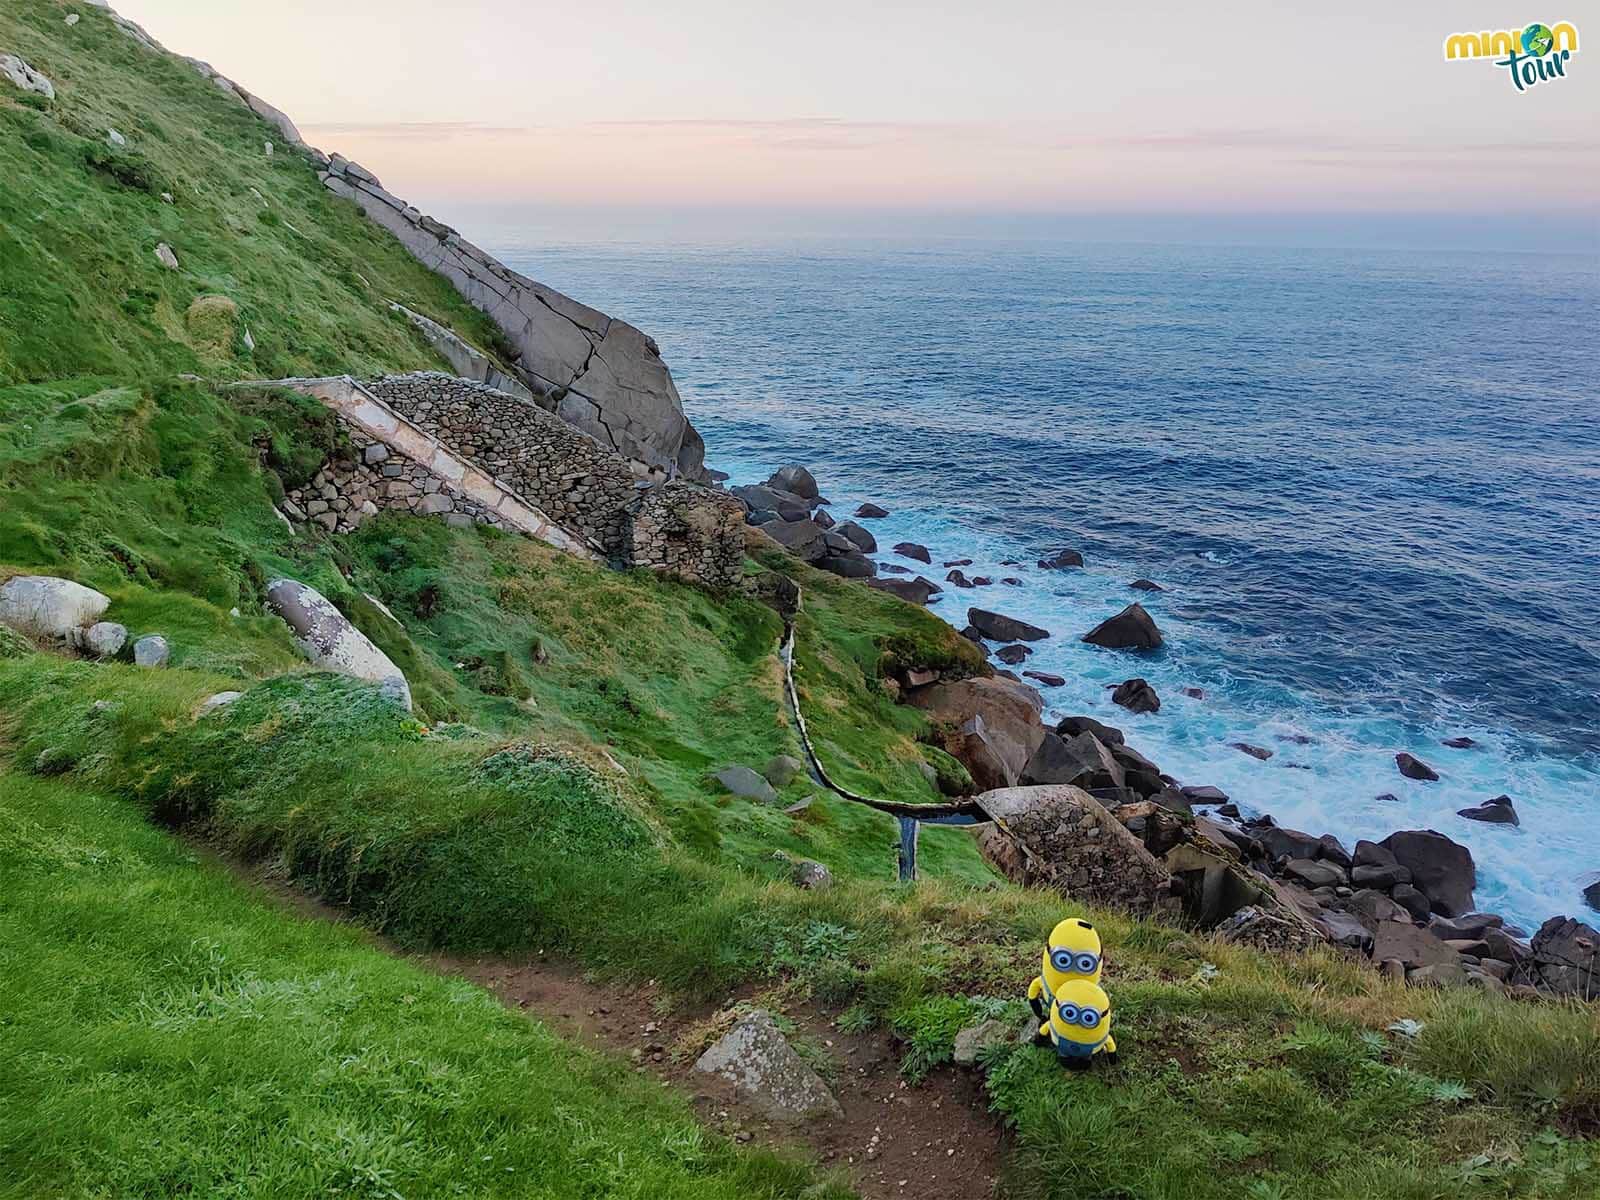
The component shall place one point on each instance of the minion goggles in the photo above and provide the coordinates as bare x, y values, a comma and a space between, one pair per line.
1083, 962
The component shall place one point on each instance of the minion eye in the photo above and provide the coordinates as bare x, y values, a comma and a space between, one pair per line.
1089, 1018
1062, 960
1087, 963
1069, 1013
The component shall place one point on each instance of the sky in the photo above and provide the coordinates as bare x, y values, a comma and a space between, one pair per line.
1153, 107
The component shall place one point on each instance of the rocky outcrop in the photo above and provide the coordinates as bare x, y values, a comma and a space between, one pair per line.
1413, 767
597, 372
331, 642
1499, 811
998, 627
25, 77
1566, 957
1136, 695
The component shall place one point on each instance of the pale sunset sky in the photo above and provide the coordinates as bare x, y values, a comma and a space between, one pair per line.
1155, 107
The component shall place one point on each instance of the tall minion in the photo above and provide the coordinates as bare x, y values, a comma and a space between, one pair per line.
1079, 1026
1072, 953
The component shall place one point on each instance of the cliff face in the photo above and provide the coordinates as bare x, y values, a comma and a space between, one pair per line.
600, 373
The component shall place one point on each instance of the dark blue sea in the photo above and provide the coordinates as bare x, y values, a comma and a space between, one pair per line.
1369, 481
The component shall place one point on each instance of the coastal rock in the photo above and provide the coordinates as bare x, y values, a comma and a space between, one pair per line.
1467, 926
1061, 560
913, 591
960, 580
25, 77
1442, 870
1146, 585
763, 1067
893, 569
1373, 907
1281, 842
859, 536
912, 550
1000, 628
1046, 678
1315, 874
1083, 761
1591, 895
795, 480
1459, 743
803, 539
1205, 795
152, 651
1409, 898
971, 633
869, 512
1072, 726
44, 606
1013, 655
103, 640
1011, 581
1131, 629
1413, 767
958, 562
1498, 811
1008, 727
1256, 752
1411, 945
981, 581
848, 566
1136, 695
1381, 877
1193, 693
824, 518
331, 642
747, 784
1566, 956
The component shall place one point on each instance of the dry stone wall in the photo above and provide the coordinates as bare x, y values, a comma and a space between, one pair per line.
352, 489
459, 429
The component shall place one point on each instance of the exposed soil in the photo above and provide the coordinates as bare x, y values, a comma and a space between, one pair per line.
936, 1140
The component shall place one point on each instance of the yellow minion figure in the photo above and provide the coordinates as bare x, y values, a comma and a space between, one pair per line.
1079, 1026
1073, 952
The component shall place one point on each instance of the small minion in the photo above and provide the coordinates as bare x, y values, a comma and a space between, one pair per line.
1079, 1026
1073, 952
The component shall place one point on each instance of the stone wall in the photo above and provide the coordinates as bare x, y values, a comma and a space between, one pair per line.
350, 490
415, 437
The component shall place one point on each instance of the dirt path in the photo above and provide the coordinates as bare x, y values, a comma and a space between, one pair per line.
936, 1140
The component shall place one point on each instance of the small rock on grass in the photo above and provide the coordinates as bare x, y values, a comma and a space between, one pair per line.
152, 651
742, 781
758, 1060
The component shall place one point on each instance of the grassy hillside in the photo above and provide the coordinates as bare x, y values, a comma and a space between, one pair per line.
81, 291
553, 791
175, 1036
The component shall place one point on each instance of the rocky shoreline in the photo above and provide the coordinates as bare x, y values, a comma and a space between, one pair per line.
1405, 903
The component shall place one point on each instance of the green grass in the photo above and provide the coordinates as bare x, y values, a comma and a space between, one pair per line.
81, 292
164, 1033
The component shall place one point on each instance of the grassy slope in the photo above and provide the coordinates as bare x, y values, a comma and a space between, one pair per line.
152, 490
81, 292
175, 1036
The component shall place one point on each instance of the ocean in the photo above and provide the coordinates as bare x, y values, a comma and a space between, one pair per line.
1369, 482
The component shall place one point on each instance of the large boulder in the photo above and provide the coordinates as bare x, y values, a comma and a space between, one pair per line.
998, 627
795, 480
25, 77
1442, 870
1007, 731
105, 639
804, 539
44, 606
1109, 734
746, 783
765, 1069
1131, 629
914, 551
1082, 761
848, 566
1061, 560
859, 536
1566, 955
870, 511
1062, 838
331, 642
913, 591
